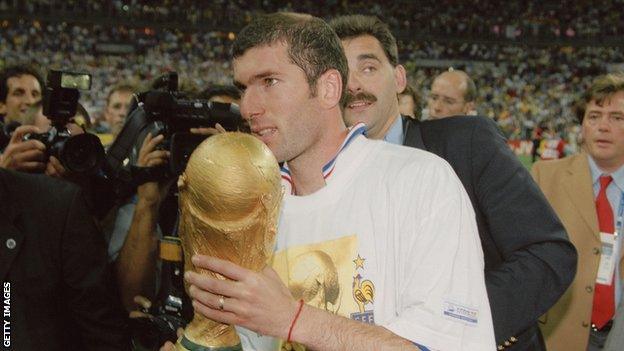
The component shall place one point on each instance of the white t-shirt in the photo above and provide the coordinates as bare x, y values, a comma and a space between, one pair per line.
391, 240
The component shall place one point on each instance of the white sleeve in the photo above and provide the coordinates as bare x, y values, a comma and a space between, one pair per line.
443, 303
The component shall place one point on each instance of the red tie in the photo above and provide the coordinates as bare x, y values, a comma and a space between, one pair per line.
604, 295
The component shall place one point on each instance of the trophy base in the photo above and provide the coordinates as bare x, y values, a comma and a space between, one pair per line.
185, 344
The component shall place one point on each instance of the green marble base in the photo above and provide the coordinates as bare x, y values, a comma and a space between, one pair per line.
191, 346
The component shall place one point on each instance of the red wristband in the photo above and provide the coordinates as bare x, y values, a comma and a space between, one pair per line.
292, 325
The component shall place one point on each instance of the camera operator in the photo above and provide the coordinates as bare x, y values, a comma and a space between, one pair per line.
135, 250
20, 88
134, 246
20, 94
161, 131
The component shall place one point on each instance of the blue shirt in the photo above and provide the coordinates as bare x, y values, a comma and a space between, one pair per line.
395, 133
614, 194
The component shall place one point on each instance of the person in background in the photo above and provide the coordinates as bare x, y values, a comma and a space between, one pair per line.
528, 264
453, 93
586, 190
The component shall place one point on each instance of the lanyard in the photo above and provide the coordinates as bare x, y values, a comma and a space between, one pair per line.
618, 223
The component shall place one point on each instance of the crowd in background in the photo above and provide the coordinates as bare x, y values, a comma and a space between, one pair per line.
530, 62
566, 18
520, 86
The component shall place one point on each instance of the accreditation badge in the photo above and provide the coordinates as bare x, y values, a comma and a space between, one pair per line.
608, 258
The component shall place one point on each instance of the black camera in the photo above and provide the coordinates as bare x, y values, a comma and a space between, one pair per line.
166, 111
173, 308
160, 325
81, 153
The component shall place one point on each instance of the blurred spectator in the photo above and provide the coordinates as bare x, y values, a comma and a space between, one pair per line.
452, 93
117, 105
551, 146
409, 103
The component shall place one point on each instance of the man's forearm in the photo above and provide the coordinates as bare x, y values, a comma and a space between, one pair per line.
323, 331
136, 264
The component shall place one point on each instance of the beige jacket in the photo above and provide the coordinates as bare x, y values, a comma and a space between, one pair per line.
567, 185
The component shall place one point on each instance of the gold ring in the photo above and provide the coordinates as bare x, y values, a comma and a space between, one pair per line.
221, 302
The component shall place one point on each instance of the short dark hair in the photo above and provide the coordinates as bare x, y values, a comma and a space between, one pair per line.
18, 71
601, 88
409, 91
352, 26
312, 44
220, 90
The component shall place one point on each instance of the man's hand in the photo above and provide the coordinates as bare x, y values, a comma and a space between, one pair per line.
258, 301
149, 156
25, 156
54, 168
143, 304
168, 346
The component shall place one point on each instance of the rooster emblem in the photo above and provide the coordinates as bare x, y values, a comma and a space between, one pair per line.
363, 292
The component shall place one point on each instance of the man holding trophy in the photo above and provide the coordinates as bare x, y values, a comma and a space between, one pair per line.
377, 246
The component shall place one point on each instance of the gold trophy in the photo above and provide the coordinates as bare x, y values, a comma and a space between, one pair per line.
230, 196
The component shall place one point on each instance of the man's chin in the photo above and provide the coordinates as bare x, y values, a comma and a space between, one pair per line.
352, 119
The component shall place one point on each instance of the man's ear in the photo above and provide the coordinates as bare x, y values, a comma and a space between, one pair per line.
329, 88
400, 76
469, 108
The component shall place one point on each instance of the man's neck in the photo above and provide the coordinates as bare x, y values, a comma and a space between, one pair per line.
306, 170
385, 127
608, 167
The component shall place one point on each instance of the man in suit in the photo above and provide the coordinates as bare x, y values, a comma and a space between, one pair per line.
586, 192
53, 269
529, 261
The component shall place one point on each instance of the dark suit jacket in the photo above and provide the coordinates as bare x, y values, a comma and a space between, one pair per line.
615, 342
529, 261
54, 259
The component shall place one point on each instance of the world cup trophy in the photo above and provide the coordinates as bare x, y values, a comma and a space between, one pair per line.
230, 195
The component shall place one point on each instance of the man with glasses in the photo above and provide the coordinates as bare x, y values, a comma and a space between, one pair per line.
586, 190
452, 94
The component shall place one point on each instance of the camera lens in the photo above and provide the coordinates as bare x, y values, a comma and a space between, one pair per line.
82, 153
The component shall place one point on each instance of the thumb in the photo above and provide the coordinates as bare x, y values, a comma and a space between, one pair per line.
168, 346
